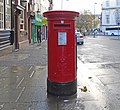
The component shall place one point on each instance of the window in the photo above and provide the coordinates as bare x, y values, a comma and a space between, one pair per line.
117, 16
107, 3
33, 1
8, 14
22, 20
19, 2
118, 2
1, 1
1, 14
8, 2
107, 12
107, 19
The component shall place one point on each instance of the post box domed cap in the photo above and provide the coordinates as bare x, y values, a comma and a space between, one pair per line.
60, 14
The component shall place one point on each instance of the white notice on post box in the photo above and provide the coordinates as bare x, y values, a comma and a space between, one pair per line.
62, 38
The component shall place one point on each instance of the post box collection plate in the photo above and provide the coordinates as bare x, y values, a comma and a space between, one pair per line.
62, 38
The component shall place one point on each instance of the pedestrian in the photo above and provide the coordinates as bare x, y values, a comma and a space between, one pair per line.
39, 36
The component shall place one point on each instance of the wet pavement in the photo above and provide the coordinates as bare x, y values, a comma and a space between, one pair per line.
101, 56
23, 77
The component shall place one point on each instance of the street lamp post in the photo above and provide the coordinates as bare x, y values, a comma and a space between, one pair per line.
94, 19
62, 3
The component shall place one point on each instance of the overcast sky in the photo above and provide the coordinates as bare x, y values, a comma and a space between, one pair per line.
79, 5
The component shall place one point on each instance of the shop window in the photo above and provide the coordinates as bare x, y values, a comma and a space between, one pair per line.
1, 14
22, 21
8, 14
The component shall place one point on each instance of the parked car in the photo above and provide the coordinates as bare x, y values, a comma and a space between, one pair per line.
80, 38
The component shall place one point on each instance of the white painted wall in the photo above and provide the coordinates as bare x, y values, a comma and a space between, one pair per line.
109, 10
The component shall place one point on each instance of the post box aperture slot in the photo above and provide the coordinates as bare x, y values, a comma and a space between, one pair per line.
62, 26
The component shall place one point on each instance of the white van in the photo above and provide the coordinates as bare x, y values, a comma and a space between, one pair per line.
112, 32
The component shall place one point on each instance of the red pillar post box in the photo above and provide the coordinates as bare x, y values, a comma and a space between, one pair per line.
61, 52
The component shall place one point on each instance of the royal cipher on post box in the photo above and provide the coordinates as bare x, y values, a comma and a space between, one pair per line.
62, 78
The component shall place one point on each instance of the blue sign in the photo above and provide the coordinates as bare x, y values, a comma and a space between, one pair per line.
118, 23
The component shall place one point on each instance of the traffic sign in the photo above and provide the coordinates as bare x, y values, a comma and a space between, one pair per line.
118, 23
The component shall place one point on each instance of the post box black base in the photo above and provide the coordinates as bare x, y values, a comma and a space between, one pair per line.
62, 89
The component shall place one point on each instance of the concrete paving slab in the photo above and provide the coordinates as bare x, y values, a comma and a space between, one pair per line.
109, 79
24, 87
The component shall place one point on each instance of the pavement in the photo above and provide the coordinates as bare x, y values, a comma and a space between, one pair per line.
23, 77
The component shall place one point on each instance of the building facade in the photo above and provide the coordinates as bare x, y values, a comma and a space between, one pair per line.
16, 22
20, 24
5, 26
110, 15
39, 22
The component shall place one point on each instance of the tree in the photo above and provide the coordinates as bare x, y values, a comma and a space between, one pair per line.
85, 21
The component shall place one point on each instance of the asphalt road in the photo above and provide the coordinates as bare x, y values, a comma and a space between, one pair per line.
101, 56
102, 49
